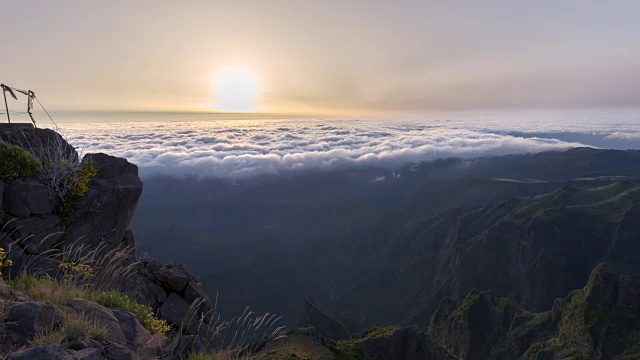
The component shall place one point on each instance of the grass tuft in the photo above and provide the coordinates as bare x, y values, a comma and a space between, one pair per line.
76, 326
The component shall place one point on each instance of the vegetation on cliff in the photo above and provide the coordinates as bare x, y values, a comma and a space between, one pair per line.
599, 321
17, 162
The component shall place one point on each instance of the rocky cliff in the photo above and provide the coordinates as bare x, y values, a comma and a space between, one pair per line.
88, 240
599, 321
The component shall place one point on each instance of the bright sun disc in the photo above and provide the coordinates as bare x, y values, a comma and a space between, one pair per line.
236, 89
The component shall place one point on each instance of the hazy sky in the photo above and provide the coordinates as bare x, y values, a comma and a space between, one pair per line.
368, 56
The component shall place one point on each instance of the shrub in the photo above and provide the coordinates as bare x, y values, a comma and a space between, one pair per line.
116, 299
64, 174
17, 162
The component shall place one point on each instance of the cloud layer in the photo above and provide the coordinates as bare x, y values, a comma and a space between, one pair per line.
241, 149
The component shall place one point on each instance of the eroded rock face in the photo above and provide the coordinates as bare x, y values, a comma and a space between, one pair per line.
326, 325
25, 197
27, 319
407, 343
104, 212
599, 321
29, 210
36, 234
172, 290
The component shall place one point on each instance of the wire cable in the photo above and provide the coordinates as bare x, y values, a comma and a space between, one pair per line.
46, 112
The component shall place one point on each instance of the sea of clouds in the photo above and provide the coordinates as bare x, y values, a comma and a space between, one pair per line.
249, 148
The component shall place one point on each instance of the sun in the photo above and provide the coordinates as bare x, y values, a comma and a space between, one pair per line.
236, 89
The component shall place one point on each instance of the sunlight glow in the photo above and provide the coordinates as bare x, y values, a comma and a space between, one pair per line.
236, 89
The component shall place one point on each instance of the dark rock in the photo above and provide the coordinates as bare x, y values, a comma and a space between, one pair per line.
34, 264
26, 197
405, 343
175, 310
193, 293
296, 344
144, 291
187, 344
1, 197
88, 354
103, 316
36, 140
27, 319
136, 334
172, 276
36, 234
78, 344
47, 351
117, 352
129, 239
105, 211
7, 294
326, 325
600, 321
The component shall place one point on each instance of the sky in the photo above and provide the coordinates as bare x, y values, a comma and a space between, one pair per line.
324, 57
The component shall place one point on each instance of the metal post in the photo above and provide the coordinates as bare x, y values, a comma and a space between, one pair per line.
4, 93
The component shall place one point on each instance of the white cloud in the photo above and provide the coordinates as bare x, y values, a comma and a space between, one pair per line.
236, 149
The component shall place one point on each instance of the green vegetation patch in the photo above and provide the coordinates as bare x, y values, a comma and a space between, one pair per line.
75, 326
347, 349
59, 292
17, 162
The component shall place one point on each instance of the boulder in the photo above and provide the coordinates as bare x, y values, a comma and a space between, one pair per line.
144, 291
172, 276
36, 234
117, 352
105, 210
27, 319
193, 293
103, 316
136, 334
46, 351
175, 310
26, 197
7, 294
88, 354
33, 264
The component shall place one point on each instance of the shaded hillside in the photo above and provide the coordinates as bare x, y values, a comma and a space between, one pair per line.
532, 250
600, 321
332, 242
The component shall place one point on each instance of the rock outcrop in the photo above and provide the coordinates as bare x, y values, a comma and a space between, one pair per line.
326, 325
30, 214
173, 291
35, 230
105, 211
599, 321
